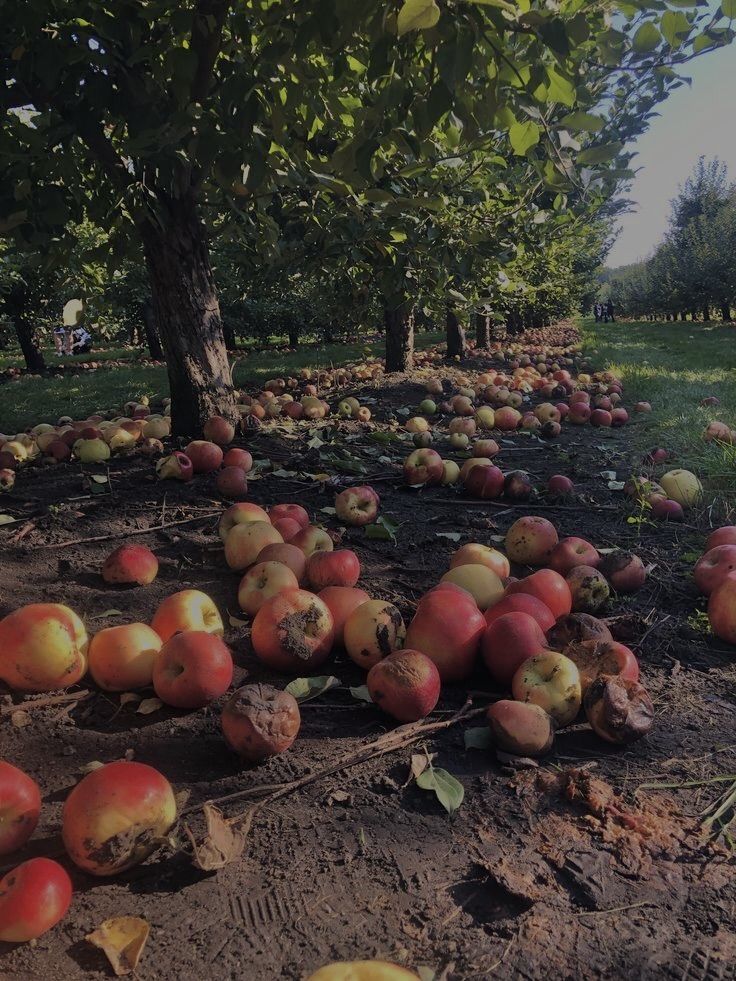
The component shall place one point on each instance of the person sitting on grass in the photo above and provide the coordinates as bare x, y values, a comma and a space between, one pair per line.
81, 341
62, 341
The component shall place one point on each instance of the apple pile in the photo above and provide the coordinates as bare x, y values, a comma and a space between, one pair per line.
715, 577
669, 497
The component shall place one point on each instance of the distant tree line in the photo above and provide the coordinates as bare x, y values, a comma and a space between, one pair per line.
692, 273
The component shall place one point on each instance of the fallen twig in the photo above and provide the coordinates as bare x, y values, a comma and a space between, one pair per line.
128, 534
34, 703
389, 742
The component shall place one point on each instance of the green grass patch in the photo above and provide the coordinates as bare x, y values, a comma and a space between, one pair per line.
675, 366
28, 401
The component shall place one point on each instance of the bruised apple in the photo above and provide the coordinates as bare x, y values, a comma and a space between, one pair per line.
43, 647
619, 710
508, 642
521, 728
189, 609
448, 632
341, 601
624, 571
571, 552
552, 681
549, 587
117, 816
357, 505
192, 670
595, 657
406, 685
121, 658
130, 564
372, 631
293, 631
423, 466
530, 540
20, 806
259, 721
34, 897
576, 627
589, 588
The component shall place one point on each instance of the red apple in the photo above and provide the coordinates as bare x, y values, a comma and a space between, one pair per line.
295, 512
485, 482
43, 647
601, 417
341, 601
560, 486
235, 457
34, 897
130, 564
289, 555
219, 430
522, 603
713, 567
722, 609
624, 571
189, 609
313, 539
20, 806
338, 568
721, 536
423, 466
476, 554
232, 483
288, 528
449, 633
508, 642
663, 507
192, 669
571, 552
549, 587
240, 514
263, 581
358, 506
406, 685
619, 417
121, 658
205, 456
520, 728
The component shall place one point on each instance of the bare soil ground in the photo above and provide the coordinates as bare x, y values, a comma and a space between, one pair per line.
568, 870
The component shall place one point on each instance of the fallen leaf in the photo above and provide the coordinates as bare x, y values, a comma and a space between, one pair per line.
90, 767
616, 485
236, 622
127, 697
284, 473
328, 510
98, 478
608, 474
107, 613
5, 519
454, 536
448, 790
122, 940
419, 763
361, 694
149, 705
305, 688
220, 845
19, 718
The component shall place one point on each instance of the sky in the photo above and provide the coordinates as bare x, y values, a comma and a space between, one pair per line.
696, 119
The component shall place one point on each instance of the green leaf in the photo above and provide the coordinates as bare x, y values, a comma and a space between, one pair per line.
600, 154
676, 27
646, 39
479, 737
501, 4
523, 137
582, 122
383, 530
560, 89
449, 791
303, 689
361, 694
416, 15
728, 8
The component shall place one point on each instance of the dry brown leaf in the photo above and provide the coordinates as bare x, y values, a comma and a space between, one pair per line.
86, 768
122, 940
220, 845
129, 696
20, 718
419, 763
149, 705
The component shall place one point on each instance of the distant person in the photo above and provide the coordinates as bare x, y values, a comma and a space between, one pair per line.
609, 312
81, 341
597, 312
62, 341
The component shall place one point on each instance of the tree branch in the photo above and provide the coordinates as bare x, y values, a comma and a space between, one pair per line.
206, 42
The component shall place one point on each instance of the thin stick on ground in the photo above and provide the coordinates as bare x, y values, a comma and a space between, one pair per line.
36, 703
389, 742
127, 534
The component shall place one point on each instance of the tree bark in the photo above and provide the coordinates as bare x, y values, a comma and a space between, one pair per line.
726, 312
229, 335
456, 346
706, 313
399, 338
29, 345
482, 331
293, 337
149, 326
188, 315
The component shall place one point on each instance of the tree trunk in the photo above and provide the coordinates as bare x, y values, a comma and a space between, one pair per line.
29, 345
706, 313
726, 312
149, 326
188, 315
482, 331
293, 337
455, 333
399, 338
228, 334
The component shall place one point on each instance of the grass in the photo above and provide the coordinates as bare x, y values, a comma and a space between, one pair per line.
27, 401
675, 366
